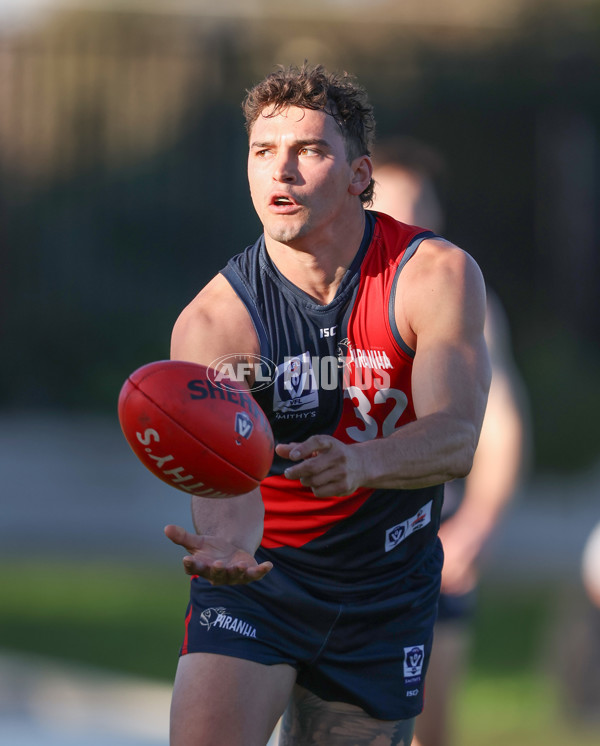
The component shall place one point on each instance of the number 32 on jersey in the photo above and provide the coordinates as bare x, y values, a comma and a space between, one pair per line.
370, 419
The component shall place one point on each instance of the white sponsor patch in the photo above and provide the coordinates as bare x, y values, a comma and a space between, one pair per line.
397, 534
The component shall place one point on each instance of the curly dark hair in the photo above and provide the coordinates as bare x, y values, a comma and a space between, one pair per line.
312, 87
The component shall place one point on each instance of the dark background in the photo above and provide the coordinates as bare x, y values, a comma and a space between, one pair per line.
123, 186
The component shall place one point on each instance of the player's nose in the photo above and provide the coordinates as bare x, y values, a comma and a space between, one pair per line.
285, 168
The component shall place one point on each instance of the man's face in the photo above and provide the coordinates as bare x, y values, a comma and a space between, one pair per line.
299, 174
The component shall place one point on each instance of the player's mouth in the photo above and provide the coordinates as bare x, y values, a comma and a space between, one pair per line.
283, 203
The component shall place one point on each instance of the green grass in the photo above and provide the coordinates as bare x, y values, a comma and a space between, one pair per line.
131, 620
521, 710
511, 693
113, 617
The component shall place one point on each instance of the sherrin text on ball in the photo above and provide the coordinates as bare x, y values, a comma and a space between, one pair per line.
192, 432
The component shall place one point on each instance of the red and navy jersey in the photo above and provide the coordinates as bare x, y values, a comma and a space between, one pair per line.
340, 369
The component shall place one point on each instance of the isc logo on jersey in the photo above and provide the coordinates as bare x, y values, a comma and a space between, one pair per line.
295, 389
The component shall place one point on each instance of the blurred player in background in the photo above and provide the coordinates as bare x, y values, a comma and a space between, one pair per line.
407, 173
578, 640
590, 567
589, 688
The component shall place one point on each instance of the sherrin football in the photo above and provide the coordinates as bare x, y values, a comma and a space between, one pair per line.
200, 435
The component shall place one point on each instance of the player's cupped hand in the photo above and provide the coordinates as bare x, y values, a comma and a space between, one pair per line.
326, 465
216, 559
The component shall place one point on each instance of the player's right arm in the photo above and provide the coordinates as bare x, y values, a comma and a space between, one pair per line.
216, 325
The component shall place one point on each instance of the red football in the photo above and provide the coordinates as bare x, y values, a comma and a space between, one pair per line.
205, 437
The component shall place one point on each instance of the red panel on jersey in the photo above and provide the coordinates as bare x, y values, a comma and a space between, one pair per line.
295, 516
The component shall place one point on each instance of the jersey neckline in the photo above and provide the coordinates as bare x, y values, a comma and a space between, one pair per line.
350, 276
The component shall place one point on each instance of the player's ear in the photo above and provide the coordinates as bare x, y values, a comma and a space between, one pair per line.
362, 172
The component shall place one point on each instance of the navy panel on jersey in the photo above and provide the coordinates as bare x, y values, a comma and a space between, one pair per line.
291, 330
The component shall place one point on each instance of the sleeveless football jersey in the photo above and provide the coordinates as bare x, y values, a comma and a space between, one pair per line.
341, 369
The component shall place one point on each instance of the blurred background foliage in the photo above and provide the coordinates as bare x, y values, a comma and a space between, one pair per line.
123, 186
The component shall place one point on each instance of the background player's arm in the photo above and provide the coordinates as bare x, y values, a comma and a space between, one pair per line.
440, 310
229, 530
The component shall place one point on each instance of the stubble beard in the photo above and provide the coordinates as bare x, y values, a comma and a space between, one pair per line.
287, 232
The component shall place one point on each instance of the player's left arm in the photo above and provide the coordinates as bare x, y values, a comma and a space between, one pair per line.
440, 310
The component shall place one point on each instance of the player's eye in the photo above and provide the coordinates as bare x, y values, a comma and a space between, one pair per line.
308, 151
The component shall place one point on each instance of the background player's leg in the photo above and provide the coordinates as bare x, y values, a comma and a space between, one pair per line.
435, 724
219, 700
311, 721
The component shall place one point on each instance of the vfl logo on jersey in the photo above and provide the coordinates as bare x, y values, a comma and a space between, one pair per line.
295, 388
397, 534
217, 616
243, 425
414, 658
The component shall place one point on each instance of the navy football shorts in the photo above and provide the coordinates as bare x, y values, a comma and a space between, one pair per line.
370, 653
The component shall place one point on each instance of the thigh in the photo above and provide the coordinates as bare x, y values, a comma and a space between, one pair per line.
220, 700
311, 721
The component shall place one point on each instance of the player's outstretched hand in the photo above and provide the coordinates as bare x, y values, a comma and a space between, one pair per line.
216, 559
328, 466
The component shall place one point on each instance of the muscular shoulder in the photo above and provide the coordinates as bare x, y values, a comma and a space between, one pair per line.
214, 324
441, 285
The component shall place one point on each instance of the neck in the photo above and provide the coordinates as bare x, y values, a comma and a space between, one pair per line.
317, 264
